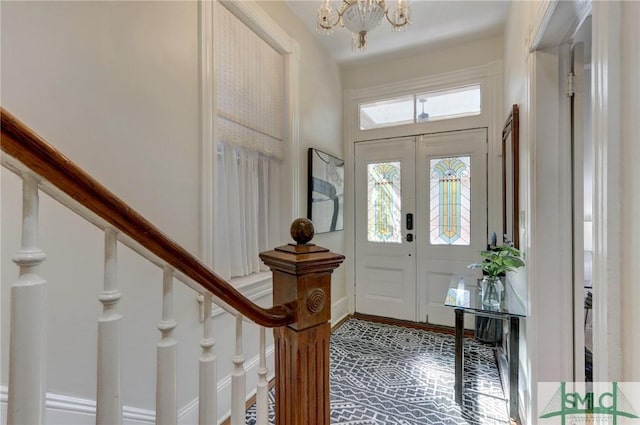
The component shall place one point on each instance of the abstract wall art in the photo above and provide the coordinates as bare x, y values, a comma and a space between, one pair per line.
325, 201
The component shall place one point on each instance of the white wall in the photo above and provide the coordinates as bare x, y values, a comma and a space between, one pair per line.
468, 55
320, 119
114, 86
630, 192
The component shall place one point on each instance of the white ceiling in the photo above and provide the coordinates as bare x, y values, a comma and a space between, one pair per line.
435, 24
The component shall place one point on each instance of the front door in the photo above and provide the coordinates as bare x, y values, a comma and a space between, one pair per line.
421, 218
385, 248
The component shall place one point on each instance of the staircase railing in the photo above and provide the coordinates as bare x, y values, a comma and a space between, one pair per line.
300, 312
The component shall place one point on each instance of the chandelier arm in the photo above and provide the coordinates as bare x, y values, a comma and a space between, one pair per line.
394, 24
345, 5
330, 25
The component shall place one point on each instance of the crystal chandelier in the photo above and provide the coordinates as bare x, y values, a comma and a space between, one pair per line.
362, 16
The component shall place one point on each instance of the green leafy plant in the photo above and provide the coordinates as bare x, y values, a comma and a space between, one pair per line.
499, 260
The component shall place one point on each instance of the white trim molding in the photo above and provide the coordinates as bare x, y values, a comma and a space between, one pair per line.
207, 119
190, 410
557, 21
482, 75
606, 74
545, 178
68, 407
67, 410
339, 310
429, 82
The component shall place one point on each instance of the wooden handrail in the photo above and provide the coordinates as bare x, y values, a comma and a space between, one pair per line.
20, 142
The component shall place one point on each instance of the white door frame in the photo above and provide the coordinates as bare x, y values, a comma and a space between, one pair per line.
606, 89
490, 77
578, 199
606, 62
606, 69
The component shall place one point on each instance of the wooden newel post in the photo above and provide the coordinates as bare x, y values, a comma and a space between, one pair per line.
302, 280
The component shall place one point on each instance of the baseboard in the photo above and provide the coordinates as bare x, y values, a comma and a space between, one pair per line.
409, 324
66, 410
188, 414
339, 310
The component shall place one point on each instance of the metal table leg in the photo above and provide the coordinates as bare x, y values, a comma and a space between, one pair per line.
459, 355
514, 365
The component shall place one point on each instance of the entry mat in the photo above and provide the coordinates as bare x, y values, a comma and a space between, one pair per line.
392, 375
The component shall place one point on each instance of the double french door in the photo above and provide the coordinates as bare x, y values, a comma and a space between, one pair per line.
421, 218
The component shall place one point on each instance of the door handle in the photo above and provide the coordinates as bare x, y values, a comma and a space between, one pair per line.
409, 221
409, 237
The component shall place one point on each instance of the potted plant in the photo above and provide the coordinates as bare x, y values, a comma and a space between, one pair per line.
496, 262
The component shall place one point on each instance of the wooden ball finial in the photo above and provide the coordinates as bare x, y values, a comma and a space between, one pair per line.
302, 230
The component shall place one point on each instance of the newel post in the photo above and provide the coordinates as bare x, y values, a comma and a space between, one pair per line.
302, 280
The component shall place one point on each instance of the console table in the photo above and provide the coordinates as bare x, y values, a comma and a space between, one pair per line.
468, 299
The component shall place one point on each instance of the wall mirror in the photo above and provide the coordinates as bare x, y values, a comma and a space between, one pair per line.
510, 179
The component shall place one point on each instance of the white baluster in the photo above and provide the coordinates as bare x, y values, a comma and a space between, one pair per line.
238, 380
262, 397
166, 410
109, 404
27, 355
208, 404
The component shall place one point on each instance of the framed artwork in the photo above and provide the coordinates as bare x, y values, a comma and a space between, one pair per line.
325, 202
511, 178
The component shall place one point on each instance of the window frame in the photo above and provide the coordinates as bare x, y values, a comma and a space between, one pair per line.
416, 94
252, 15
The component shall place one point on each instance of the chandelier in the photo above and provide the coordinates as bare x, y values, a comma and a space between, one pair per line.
362, 16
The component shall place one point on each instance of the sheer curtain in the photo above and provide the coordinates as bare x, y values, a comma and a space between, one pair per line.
247, 189
249, 141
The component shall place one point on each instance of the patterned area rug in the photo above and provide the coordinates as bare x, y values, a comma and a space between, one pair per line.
391, 375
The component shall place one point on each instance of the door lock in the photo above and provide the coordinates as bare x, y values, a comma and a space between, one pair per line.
409, 221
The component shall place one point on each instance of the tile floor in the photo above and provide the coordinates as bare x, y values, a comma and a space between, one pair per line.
392, 375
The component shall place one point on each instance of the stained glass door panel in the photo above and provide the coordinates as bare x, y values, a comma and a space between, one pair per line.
384, 188
450, 200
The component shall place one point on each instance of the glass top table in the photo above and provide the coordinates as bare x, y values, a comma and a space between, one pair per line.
464, 298
469, 297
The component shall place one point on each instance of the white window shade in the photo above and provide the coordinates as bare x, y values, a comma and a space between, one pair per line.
249, 88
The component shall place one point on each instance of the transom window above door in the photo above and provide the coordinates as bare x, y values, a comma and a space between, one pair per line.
421, 107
